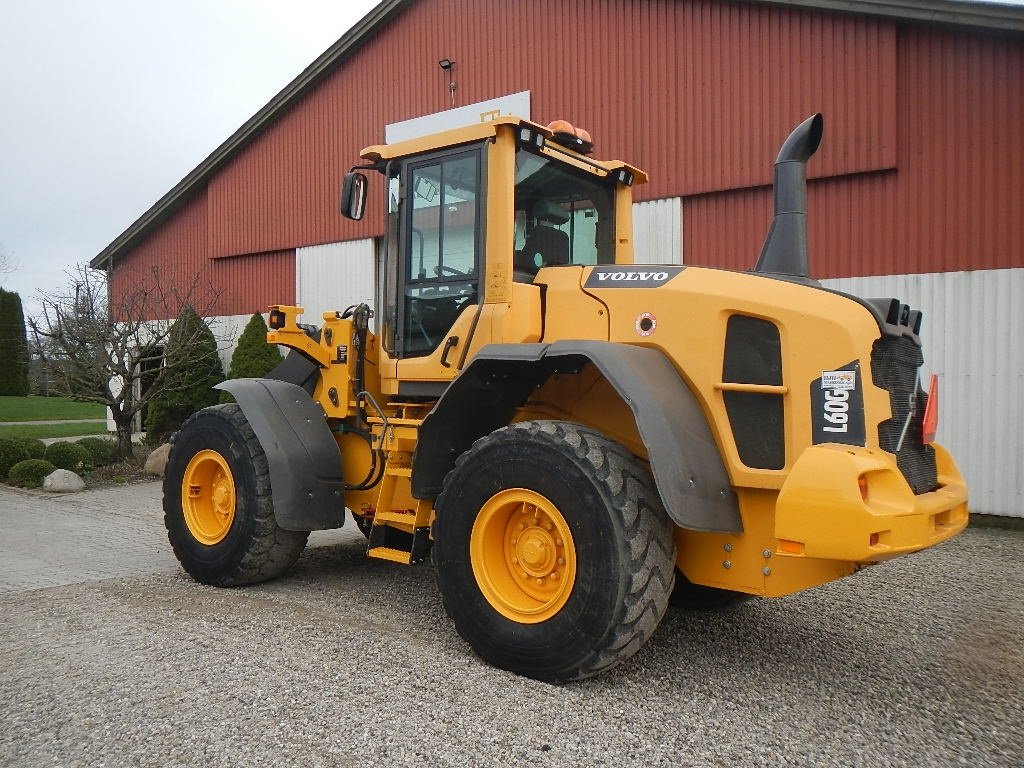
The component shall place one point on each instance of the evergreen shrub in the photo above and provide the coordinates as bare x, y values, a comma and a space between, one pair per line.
102, 450
12, 450
253, 358
30, 473
36, 448
70, 456
193, 368
13, 346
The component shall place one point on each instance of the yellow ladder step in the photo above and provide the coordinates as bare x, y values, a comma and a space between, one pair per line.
403, 516
394, 555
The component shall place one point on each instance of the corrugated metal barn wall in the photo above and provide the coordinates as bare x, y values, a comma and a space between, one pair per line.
921, 156
952, 201
971, 324
335, 276
699, 93
176, 256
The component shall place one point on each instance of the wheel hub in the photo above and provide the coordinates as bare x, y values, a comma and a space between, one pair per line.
208, 497
536, 551
523, 556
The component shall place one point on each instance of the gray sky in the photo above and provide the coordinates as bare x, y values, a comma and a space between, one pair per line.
106, 104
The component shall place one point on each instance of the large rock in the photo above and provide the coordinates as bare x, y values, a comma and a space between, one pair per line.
157, 461
63, 481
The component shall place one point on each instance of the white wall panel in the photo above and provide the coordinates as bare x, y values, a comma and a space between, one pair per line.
658, 231
973, 324
333, 277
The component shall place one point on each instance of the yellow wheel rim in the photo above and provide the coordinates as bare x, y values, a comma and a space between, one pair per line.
208, 497
523, 556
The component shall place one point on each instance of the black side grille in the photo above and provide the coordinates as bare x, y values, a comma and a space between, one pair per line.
753, 355
895, 361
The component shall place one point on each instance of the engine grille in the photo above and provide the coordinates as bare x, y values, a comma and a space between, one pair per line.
753, 356
895, 361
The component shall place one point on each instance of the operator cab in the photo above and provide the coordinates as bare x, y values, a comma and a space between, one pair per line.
472, 211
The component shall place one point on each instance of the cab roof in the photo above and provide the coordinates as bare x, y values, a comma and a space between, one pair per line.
489, 129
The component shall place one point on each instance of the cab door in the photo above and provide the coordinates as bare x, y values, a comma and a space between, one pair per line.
432, 269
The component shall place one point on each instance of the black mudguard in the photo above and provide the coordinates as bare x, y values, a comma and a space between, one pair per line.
687, 466
305, 465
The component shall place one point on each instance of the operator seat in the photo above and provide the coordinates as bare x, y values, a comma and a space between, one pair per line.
545, 246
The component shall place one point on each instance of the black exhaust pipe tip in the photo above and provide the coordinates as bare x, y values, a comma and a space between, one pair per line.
803, 142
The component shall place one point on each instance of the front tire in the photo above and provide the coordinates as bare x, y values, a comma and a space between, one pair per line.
218, 507
554, 555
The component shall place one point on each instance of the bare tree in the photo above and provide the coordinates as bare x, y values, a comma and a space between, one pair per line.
100, 350
8, 263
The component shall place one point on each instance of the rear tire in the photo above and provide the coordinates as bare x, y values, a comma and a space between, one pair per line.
554, 555
218, 505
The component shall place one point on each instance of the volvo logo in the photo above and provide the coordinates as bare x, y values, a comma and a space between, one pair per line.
631, 277
616, 276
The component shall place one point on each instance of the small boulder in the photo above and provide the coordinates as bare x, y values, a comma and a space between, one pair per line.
157, 461
63, 481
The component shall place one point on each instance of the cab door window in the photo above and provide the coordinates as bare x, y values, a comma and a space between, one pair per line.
442, 245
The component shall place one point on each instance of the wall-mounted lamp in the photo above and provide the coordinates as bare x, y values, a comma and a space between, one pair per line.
449, 66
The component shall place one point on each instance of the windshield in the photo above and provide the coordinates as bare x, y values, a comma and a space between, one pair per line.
563, 215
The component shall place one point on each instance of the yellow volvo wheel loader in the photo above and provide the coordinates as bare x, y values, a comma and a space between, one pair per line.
572, 438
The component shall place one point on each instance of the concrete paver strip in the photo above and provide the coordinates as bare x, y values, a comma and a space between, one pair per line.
53, 539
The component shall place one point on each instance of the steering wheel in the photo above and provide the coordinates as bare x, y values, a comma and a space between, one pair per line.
443, 270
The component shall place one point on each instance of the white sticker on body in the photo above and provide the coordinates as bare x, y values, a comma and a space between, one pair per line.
838, 379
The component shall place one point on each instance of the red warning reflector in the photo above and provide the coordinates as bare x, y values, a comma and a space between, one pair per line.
930, 423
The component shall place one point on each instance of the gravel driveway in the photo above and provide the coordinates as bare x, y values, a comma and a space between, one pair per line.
348, 662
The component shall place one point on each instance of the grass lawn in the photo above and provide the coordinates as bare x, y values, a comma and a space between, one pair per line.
53, 430
46, 408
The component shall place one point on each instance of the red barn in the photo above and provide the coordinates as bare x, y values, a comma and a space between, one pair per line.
915, 192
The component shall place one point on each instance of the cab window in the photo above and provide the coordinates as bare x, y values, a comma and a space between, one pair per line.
563, 215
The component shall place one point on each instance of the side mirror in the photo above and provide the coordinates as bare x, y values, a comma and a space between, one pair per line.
353, 196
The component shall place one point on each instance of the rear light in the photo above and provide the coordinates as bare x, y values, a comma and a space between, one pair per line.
862, 482
930, 423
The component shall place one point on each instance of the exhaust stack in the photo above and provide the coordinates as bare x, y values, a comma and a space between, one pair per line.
785, 249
